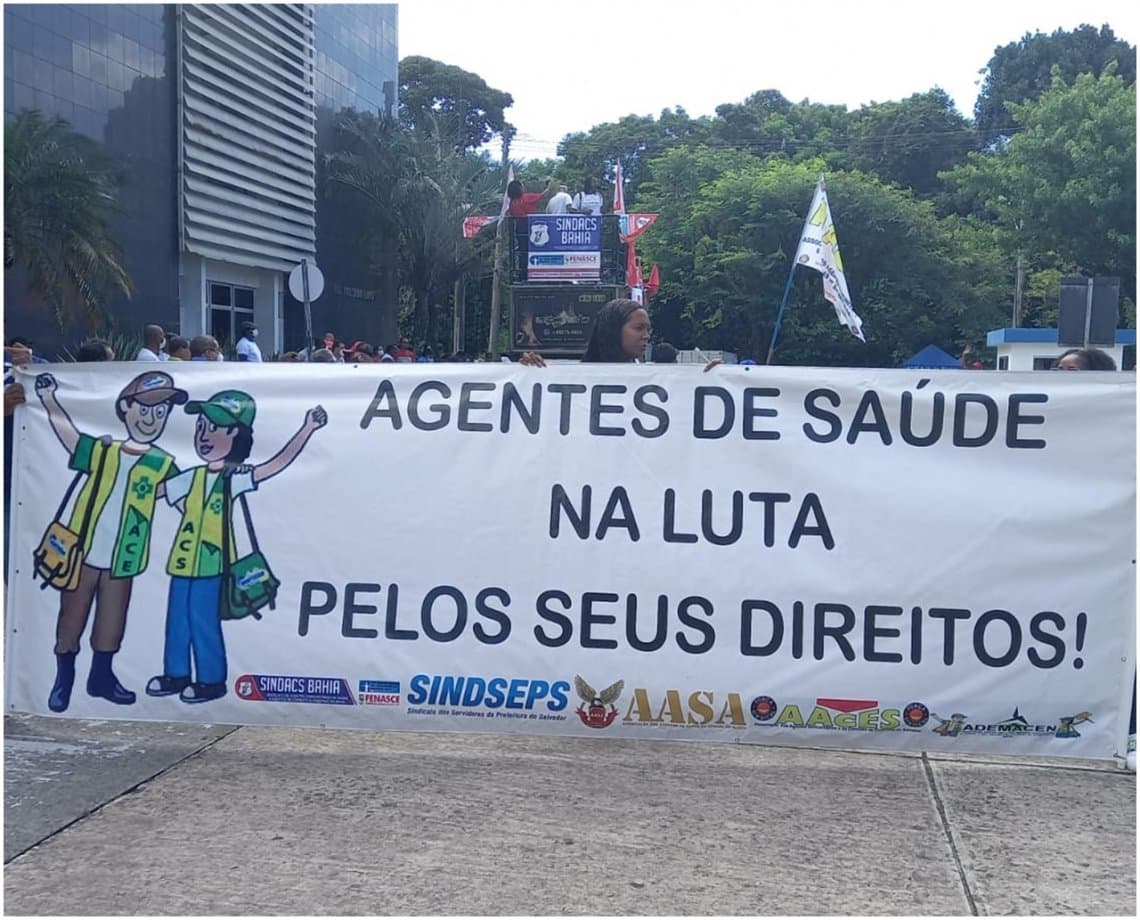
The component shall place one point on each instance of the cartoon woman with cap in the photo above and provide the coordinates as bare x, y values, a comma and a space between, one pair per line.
223, 437
113, 516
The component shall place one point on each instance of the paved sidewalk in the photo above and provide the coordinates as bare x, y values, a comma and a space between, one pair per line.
106, 818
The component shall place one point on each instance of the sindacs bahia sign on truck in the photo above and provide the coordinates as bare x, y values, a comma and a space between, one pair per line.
564, 247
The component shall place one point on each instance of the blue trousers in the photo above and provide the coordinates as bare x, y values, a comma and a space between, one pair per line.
194, 624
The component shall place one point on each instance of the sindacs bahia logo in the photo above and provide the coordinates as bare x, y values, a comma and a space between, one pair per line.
289, 688
595, 714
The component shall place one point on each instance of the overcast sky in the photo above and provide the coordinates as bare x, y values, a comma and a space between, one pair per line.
570, 66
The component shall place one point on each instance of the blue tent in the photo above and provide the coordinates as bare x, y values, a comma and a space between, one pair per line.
933, 357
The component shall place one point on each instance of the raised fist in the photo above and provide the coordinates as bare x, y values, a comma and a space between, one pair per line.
45, 383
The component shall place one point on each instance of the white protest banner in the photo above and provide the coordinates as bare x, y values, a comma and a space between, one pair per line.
848, 558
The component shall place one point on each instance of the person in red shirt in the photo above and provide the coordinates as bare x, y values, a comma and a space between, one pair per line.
521, 202
404, 353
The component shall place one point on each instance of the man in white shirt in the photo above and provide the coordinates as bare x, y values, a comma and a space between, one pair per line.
154, 341
559, 203
246, 347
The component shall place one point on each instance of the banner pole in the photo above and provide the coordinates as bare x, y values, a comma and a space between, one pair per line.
780, 314
496, 295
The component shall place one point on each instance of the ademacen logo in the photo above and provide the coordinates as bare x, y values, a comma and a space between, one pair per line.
595, 715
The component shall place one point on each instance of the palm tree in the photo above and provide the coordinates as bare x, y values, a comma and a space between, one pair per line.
418, 188
59, 192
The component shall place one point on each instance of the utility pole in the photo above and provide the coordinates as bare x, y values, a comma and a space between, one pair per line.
1018, 288
496, 295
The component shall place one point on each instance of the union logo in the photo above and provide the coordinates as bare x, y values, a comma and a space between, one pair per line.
595, 714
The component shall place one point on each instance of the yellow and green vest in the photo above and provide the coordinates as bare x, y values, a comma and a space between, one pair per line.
197, 550
132, 544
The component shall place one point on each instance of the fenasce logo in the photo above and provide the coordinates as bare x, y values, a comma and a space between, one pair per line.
837, 714
378, 692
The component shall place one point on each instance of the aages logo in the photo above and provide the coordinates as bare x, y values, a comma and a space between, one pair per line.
839, 715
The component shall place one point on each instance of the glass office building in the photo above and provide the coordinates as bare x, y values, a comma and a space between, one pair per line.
213, 113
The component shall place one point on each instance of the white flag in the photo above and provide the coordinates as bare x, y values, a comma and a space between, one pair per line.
819, 249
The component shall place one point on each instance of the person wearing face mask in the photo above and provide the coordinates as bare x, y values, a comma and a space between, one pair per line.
111, 518
246, 347
154, 343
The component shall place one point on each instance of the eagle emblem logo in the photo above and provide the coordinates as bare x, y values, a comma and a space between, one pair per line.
594, 714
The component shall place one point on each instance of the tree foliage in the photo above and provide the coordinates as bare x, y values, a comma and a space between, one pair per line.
59, 194
913, 279
931, 215
419, 189
1063, 189
460, 103
909, 143
1021, 71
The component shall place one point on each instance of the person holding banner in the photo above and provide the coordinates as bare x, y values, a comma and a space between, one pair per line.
620, 335
223, 438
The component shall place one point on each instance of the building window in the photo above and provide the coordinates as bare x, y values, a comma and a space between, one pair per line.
1003, 363
1044, 364
230, 306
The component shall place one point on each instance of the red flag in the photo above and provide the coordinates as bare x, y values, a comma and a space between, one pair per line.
654, 282
633, 225
472, 225
632, 269
619, 190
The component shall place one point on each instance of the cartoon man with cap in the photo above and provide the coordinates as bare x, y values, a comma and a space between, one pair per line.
113, 515
223, 438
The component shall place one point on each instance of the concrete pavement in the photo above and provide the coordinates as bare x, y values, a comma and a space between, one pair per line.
110, 817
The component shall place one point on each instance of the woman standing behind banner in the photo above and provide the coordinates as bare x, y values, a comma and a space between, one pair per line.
620, 335
1093, 359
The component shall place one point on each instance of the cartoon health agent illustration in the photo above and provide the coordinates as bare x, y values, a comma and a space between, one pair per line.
223, 437
107, 539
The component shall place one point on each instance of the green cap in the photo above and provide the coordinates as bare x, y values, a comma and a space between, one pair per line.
228, 408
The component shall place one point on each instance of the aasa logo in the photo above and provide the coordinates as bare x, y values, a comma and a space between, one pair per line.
701, 707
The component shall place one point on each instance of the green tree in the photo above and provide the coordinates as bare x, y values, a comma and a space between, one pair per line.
416, 188
909, 143
767, 124
59, 194
1021, 71
1063, 190
913, 279
634, 140
462, 106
